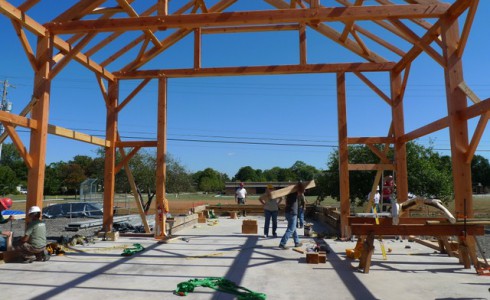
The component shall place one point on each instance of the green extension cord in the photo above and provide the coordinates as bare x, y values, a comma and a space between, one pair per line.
131, 251
219, 284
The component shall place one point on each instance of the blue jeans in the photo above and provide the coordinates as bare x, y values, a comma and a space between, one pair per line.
268, 215
291, 230
301, 217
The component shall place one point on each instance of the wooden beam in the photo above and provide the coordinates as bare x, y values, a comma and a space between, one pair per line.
125, 158
316, 15
18, 144
370, 140
161, 203
130, 144
467, 27
466, 89
453, 12
425, 130
475, 110
197, 48
39, 113
374, 88
257, 70
133, 94
475, 140
25, 44
380, 154
77, 136
302, 44
458, 127
370, 167
255, 28
27, 109
343, 155
110, 156
13, 119
432, 230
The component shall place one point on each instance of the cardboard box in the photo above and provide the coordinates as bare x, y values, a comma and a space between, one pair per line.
250, 229
249, 223
312, 258
322, 257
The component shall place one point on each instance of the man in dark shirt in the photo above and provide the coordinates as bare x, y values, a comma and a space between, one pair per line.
291, 213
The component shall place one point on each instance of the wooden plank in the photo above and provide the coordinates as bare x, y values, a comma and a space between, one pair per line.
370, 140
343, 155
19, 145
389, 221
257, 70
434, 230
13, 119
370, 167
287, 190
316, 15
78, 136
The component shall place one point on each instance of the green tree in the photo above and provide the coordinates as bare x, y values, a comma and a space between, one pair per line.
304, 171
8, 180
480, 170
210, 180
53, 183
12, 159
72, 176
246, 174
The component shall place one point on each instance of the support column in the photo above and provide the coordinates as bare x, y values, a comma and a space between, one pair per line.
343, 156
110, 154
161, 201
40, 113
398, 131
458, 128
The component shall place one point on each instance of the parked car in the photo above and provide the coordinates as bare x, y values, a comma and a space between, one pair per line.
73, 210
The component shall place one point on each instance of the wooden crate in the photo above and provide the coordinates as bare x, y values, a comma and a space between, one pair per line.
249, 222
322, 257
312, 258
250, 229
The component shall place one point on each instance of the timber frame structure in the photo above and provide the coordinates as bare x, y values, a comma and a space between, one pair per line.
409, 28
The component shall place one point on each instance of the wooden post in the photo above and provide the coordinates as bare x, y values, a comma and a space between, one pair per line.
458, 127
40, 113
161, 202
110, 155
398, 131
343, 156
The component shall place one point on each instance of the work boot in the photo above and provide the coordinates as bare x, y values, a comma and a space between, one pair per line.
46, 255
28, 260
298, 244
283, 247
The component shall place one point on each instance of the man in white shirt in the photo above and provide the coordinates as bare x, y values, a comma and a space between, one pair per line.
240, 196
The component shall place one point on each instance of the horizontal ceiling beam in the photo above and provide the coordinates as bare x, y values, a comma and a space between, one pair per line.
258, 70
310, 15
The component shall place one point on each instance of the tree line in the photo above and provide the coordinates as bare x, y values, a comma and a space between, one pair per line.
429, 173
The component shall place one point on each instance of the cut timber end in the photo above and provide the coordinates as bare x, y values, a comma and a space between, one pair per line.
287, 190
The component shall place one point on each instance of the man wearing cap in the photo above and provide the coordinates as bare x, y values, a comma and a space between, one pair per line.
33, 244
5, 236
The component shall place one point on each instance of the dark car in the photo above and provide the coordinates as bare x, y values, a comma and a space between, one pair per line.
73, 210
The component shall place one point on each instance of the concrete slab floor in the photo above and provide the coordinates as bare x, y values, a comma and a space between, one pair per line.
98, 271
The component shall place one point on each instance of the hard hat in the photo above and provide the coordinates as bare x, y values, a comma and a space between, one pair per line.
5, 203
34, 209
269, 186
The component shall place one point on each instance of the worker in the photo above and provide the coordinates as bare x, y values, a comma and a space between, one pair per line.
376, 199
5, 236
301, 204
32, 245
271, 209
291, 213
388, 192
240, 197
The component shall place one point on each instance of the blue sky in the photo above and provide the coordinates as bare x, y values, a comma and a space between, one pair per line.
285, 109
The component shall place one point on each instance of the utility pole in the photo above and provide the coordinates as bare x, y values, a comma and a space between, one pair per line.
5, 105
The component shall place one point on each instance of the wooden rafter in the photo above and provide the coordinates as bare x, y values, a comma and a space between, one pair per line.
25, 44
349, 25
333, 34
28, 4
132, 94
374, 87
316, 15
467, 27
132, 13
18, 144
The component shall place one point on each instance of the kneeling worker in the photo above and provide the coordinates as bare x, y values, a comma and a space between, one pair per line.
33, 244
